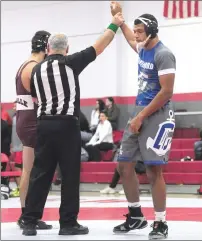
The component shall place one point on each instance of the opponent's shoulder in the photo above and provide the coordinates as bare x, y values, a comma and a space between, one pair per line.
31, 66
27, 71
26, 74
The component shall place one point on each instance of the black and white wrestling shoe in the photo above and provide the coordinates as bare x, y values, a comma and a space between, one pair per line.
160, 230
134, 220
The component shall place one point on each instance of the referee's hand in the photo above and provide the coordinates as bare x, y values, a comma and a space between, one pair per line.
118, 19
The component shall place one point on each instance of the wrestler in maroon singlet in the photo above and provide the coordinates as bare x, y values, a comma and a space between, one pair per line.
26, 112
26, 116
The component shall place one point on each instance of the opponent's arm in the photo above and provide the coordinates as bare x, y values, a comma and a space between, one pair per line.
127, 32
129, 36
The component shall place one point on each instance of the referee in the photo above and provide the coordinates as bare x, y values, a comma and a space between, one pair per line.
55, 83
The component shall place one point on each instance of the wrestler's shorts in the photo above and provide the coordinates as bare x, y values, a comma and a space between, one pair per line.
152, 145
27, 136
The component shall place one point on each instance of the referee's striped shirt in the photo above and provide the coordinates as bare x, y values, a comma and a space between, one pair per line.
55, 83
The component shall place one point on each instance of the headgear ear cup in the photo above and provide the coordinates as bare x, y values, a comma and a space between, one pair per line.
151, 29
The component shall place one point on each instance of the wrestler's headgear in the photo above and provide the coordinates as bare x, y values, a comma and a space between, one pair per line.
150, 23
39, 41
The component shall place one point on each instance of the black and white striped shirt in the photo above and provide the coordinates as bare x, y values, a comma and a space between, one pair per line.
55, 82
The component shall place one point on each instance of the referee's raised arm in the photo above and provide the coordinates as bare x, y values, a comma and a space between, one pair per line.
106, 38
80, 60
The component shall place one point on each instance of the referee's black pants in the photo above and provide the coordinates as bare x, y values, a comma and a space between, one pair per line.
58, 141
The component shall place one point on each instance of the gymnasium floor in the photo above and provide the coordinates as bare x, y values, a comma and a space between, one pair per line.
102, 212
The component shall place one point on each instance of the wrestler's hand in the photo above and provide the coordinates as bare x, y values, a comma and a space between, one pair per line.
115, 8
136, 123
118, 19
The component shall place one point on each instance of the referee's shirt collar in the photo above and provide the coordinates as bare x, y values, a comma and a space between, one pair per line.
54, 55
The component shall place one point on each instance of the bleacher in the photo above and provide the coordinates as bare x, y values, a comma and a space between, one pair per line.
176, 172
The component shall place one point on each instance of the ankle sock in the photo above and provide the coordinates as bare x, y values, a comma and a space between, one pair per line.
160, 216
134, 205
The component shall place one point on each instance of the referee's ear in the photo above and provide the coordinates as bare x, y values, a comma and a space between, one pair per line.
67, 50
48, 48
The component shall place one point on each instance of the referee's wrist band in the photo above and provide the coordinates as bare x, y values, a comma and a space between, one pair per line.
113, 27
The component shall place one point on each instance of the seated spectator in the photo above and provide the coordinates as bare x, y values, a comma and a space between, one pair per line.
102, 140
11, 112
94, 121
5, 138
84, 125
112, 112
84, 155
198, 148
5, 149
16, 144
5, 116
85, 129
16, 148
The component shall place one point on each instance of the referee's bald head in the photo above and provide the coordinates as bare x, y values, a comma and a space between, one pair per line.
58, 43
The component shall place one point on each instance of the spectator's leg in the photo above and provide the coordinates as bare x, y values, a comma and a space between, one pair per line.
105, 146
93, 152
115, 179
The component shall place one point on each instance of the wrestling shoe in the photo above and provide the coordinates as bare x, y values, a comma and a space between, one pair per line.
134, 220
160, 230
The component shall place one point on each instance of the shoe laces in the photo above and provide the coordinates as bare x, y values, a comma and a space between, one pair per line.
157, 225
30, 226
127, 216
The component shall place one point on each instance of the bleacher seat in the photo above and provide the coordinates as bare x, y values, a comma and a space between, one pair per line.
4, 158
183, 167
98, 167
107, 155
177, 154
9, 170
117, 136
183, 143
11, 174
200, 190
186, 133
174, 172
